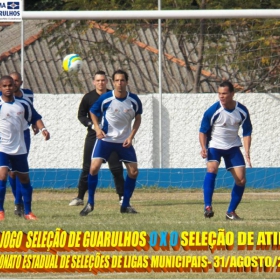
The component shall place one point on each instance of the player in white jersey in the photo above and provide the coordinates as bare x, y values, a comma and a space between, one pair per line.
118, 109
21, 95
218, 137
13, 152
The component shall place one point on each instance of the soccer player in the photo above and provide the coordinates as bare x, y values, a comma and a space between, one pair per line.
21, 94
13, 153
218, 137
118, 109
100, 82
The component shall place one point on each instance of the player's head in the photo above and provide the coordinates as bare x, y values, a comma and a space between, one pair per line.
227, 84
7, 86
120, 72
226, 93
120, 79
17, 79
100, 81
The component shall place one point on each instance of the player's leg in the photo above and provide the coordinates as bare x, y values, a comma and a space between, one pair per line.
128, 156
4, 165
14, 180
129, 186
83, 180
236, 165
20, 166
213, 162
16, 190
100, 153
116, 169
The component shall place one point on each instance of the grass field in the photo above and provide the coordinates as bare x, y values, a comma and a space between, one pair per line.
159, 210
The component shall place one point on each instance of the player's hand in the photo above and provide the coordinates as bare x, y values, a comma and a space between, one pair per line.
203, 153
46, 135
35, 129
248, 159
100, 134
127, 143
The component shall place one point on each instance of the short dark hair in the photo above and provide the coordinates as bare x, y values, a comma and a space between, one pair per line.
119, 71
99, 72
227, 84
6, 77
16, 74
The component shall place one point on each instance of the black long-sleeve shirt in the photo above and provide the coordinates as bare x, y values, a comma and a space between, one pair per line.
83, 113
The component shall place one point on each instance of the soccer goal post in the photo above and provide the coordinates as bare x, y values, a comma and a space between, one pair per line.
240, 45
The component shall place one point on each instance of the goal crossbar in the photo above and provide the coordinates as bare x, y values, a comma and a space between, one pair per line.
152, 14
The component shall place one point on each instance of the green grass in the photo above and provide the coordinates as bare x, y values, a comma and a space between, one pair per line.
160, 210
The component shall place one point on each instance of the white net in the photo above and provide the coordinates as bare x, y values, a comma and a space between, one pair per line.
197, 56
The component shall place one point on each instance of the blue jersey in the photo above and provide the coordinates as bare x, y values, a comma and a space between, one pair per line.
221, 126
27, 94
13, 118
117, 115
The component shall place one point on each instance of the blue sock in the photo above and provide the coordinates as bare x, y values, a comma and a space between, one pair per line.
129, 186
18, 197
2, 194
27, 190
208, 188
236, 196
92, 184
13, 186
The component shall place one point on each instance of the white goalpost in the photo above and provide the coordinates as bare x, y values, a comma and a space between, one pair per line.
156, 14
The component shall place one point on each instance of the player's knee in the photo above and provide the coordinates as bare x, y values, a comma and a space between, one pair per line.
241, 182
133, 173
93, 171
117, 171
212, 170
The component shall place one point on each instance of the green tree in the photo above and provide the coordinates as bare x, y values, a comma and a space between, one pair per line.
43, 5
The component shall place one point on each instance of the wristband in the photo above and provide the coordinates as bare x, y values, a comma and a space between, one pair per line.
43, 129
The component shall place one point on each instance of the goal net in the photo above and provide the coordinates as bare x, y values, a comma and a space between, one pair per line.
196, 56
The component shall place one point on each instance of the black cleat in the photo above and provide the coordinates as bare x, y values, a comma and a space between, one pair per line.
128, 210
19, 210
87, 209
208, 212
233, 216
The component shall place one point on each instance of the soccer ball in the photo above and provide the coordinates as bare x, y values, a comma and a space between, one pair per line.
72, 63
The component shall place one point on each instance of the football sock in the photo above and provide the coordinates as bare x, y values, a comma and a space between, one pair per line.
118, 180
13, 186
2, 194
208, 188
18, 197
83, 184
92, 183
27, 190
129, 186
236, 196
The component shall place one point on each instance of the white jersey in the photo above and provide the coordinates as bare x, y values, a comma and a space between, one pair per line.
117, 115
221, 126
13, 118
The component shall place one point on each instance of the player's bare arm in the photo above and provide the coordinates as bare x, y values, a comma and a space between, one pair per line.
128, 141
35, 129
40, 125
202, 141
247, 145
99, 132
